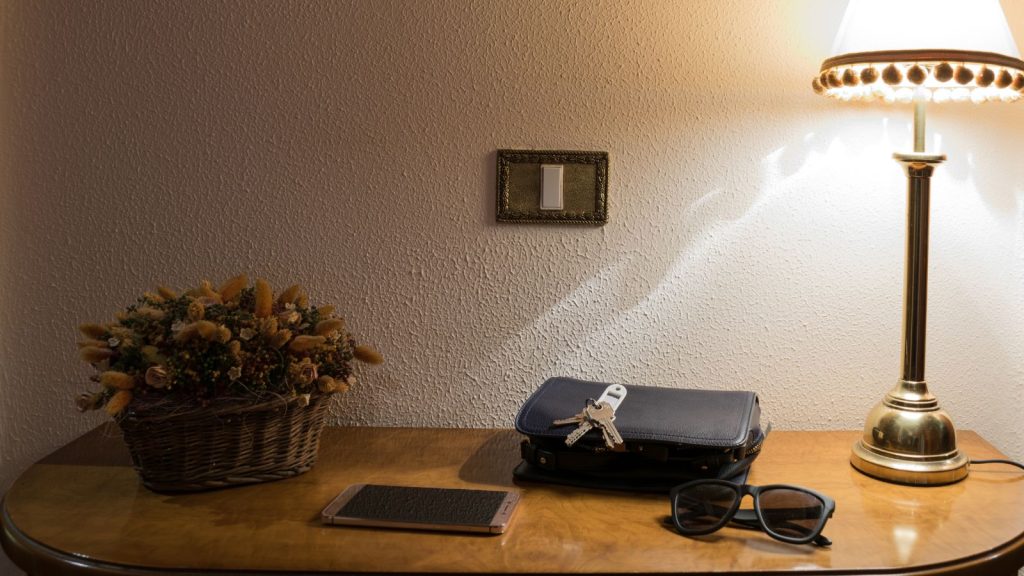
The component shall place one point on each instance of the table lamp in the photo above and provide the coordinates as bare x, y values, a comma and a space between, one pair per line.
918, 51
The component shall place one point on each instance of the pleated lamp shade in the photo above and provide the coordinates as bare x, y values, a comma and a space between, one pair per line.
923, 50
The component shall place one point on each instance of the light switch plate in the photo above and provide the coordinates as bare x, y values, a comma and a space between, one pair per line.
584, 186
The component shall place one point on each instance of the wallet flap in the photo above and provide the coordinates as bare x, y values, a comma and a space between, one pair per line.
699, 418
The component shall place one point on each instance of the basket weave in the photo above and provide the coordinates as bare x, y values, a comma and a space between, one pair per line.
178, 448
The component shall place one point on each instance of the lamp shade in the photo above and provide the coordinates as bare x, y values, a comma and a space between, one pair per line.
923, 50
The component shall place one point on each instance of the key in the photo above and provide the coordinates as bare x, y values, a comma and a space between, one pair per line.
602, 415
573, 420
586, 425
583, 425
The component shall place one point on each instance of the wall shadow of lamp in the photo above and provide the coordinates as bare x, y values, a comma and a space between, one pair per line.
916, 52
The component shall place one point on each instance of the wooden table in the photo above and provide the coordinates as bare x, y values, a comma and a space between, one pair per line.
81, 510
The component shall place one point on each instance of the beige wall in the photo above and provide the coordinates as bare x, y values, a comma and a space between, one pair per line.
756, 229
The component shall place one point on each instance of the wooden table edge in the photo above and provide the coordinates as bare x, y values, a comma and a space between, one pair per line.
40, 559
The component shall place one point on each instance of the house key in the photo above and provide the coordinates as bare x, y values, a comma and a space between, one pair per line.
612, 396
583, 425
602, 415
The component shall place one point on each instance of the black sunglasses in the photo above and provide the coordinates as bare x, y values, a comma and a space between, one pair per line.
788, 513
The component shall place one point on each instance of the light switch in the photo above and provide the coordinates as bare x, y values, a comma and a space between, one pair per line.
551, 189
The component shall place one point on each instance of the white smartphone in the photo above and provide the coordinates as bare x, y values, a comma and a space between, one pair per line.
410, 507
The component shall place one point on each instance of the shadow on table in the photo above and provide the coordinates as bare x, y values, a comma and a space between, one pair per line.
760, 542
494, 461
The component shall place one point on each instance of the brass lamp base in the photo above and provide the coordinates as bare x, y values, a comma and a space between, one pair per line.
910, 440
907, 437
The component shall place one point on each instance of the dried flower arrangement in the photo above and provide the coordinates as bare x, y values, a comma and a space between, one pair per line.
207, 344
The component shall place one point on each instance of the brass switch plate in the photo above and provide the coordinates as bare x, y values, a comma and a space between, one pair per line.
584, 186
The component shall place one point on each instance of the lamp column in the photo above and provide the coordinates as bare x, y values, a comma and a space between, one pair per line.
907, 437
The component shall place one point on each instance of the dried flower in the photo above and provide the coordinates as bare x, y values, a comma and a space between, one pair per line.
234, 373
326, 311
154, 298
246, 334
264, 299
92, 354
233, 287
196, 310
306, 343
207, 329
289, 317
206, 290
167, 293
328, 327
235, 348
121, 332
268, 327
223, 334
94, 331
89, 401
308, 373
118, 402
93, 343
156, 377
152, 354
329, 385
303, 400
113, 342
149, 313
289, 295
365, 353
117, 380
302, 301
281, 338
203, 329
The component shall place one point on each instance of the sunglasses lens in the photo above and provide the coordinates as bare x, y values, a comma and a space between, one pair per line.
703, 506
791, 513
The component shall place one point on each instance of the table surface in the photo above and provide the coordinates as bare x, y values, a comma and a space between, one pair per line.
82, 510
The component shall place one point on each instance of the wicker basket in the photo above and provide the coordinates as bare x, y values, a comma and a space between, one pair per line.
178, 448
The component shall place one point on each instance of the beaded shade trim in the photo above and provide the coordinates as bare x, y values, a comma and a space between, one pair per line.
922, 75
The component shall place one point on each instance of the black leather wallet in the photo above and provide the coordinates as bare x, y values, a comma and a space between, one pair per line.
670, 436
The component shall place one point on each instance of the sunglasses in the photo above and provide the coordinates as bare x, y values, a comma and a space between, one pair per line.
788, 513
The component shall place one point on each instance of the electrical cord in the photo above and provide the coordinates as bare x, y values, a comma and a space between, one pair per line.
997, 461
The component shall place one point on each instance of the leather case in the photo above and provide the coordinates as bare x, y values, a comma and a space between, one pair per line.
670, 436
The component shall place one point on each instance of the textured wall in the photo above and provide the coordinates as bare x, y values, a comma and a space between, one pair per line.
756, 229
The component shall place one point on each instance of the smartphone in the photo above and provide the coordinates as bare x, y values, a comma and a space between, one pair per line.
446, 509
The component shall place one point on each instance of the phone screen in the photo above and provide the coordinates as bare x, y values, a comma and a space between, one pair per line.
429, 508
